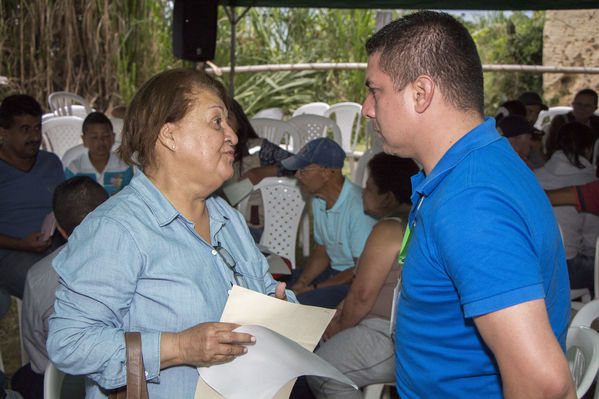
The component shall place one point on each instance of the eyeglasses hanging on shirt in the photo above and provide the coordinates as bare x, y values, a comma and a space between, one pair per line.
231, 264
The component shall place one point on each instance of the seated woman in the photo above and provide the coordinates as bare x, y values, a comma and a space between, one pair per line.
263, 161
99, 162
570, 166
160, 257
357, 339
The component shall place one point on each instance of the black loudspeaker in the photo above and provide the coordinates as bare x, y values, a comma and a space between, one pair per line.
194, 29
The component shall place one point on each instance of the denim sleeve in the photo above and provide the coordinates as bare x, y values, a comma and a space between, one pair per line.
98, 271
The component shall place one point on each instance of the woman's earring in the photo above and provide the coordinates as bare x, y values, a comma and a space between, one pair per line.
173, 147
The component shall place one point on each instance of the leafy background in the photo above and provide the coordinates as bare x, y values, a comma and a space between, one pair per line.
104, 50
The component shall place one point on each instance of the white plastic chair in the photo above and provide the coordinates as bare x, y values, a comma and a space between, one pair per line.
61, 133
283, 206
583, 293
275, 131
316, 108
64, 103
348, 117
72, 154
546, 116
271, 113
370, 137
582, 352
311, 127
53, 379
117, 128
360, 176
378, 391
586, 315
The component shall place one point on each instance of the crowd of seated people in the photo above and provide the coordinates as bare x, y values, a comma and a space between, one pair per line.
566, 155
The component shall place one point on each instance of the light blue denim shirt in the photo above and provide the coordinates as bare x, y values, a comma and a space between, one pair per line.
136, 264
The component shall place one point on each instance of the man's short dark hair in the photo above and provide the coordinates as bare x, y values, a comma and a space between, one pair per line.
588, 92
434, 44
16, 105
95, 118
74, 199
392, 174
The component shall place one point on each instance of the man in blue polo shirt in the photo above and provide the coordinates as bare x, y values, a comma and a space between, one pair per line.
484, 301
28, 177
340, 225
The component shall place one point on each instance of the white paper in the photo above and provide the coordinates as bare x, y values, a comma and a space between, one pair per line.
269, 363
302, 324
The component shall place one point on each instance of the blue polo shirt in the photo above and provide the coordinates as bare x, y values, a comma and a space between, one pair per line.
344, 228
484, 238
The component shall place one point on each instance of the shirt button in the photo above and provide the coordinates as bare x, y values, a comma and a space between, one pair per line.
146, 373
214, 252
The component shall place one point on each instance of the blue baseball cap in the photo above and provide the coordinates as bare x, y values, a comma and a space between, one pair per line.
322, 151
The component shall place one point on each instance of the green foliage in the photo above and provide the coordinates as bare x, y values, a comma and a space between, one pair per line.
514, 39
285, 36
104, 50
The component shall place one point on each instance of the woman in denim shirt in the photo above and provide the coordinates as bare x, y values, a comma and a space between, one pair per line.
160, 256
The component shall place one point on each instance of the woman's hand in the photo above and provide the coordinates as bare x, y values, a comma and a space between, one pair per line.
203, 345
280, 291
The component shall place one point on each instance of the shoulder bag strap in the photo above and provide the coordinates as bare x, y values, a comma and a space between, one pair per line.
137, 387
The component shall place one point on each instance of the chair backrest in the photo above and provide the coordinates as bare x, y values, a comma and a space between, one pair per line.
277, 132
117, 128
546, 116
63, 103
283, 206
61, 133
361, 174
312, 108
348, 117
370, 137
53, 379
586, 315
72, 154
582, 352
272, 113
311, 127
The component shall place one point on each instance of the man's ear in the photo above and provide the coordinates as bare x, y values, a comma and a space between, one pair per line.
423, 91
166, 138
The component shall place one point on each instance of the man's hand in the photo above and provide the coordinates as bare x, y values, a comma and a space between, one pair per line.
32, 243
300, 287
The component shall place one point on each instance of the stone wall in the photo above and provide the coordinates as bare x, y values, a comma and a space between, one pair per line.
570, 38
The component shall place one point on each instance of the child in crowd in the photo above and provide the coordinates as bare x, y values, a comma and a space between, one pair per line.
99, 161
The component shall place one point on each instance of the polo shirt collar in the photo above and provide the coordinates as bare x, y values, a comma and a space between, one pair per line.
481, 136
344, 193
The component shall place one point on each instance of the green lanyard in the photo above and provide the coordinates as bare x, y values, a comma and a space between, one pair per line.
408, 235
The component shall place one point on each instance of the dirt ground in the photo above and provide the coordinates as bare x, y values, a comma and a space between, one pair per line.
9, 341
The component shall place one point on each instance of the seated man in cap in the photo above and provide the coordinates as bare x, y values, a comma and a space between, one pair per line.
340, 225
534, 105
519, 133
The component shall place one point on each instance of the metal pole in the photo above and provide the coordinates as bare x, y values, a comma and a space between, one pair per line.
233, 20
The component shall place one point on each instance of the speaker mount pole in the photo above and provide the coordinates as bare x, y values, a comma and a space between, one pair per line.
234, 20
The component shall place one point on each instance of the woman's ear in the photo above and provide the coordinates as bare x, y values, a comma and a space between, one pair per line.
166, 138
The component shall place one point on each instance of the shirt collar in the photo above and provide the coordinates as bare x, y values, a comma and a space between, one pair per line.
341, 199
161, 208
481, 136
164, 212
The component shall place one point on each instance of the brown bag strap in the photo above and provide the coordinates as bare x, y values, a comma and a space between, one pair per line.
137, 387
